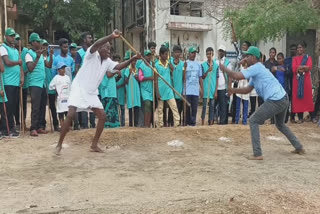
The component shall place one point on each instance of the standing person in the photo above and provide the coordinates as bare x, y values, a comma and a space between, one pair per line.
13, 78
210, 85
24, 51
61, 83
146, 86
84, 88
272, 59
177, 77
302, 86
36, 79
73, 54
121, 93
163, 91
194, 87
3, 99
133, 94
275, 97
223, 86
48, 60
288, 64
152, 47
108, 93
86, 43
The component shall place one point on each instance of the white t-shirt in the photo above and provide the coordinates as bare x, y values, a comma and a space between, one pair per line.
3, 51
62, 85
222, 81
242, 84
92, 71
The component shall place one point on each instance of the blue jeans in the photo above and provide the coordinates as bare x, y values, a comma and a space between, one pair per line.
244, 111
270, 109
192, 110
211, 109
84, 120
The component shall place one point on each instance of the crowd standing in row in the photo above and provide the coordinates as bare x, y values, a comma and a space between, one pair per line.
48, 79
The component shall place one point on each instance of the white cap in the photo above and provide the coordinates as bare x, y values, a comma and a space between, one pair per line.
222, 47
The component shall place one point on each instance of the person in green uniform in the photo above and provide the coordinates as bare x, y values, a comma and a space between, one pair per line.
163, 91
3, 98
24, 51
133, 94
36, 79
146, 86
210, 85
73, 54
108, 93
13, 78
48, 60
121, 92
177, 77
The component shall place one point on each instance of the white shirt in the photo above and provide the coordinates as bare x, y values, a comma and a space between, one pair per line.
222, 81
242, 84
62, 85
92, 71
3, 51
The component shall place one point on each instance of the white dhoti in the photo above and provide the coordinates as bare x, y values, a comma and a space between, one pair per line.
83, 100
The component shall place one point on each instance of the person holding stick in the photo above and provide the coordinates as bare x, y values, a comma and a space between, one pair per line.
210, 85
276, 101
4, 127
133, 93
146, 85
13, 78
84, 88
121, 93
163, 91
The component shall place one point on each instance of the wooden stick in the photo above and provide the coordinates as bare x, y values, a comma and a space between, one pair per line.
185, 90
21, 99
132, 98
4, 106
154, 99
155, 71
209, 82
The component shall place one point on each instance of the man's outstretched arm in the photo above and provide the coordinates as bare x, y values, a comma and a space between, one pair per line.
104, 40
232, 74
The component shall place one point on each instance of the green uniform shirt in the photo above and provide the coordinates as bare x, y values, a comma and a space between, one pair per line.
165, 91
213, 79
25, 68
178, 77
133, 91
11, 75
38, 75
49, 77
146, 86
121, 91
108, 87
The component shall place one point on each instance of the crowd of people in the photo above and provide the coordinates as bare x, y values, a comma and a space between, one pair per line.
48, 79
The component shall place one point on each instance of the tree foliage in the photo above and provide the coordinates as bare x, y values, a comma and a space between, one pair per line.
72, 16
271, 19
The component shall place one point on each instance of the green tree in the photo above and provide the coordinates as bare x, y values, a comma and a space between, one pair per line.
271, 19
71, 16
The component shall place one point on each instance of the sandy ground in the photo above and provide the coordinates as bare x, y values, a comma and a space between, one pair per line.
141, 173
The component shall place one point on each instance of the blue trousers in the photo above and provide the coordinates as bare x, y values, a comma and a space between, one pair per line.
192, 110
244, 111
211, 109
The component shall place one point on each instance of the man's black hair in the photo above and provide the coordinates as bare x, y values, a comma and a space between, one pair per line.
209, 49
280, 54
151, 45
247, 43
177, 48
84, 35
163, 49
62, 41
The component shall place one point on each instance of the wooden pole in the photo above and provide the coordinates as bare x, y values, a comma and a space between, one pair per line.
209, 84
155, 71
21, 99
132, 96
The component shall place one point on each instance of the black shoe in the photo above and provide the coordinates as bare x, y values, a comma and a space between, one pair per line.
13, 134
76, 128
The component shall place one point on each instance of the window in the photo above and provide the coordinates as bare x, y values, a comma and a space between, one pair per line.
186, 8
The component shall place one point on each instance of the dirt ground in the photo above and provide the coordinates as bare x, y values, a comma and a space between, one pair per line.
141, 173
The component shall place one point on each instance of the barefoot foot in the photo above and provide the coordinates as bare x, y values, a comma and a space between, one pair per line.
96, 149
58, 150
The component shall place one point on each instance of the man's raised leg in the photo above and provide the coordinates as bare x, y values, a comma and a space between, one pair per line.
65, 127
100, 126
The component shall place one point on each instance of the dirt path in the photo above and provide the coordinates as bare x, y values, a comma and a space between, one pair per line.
141, 173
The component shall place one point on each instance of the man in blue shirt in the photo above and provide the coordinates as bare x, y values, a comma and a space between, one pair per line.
276, 101
193, 85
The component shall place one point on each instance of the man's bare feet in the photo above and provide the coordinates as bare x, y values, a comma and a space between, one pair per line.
255, 158
299, 151
96, 149
58, 150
